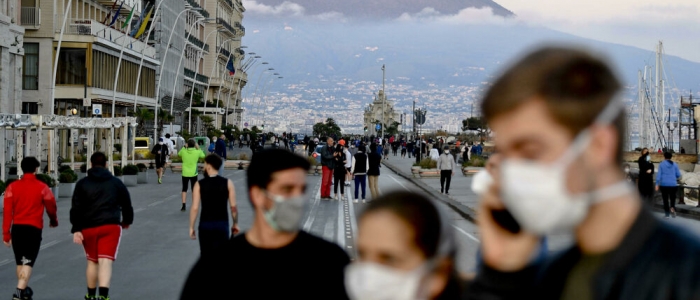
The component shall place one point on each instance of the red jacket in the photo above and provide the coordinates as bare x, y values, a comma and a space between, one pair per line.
25, 200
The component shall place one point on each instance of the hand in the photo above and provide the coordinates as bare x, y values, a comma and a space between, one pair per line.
234, 229
657, 188
53, 223
125, 226
649, 171
8, 244
78, 238
193, 235
502, 250
453, 173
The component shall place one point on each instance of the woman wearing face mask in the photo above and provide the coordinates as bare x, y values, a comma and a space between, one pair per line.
646, 177
339, 171
405, 251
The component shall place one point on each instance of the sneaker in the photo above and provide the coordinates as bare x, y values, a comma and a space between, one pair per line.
87, 297
102, 298
354, 201
160, 180
673, 212
666, 217
184, 207
364, 201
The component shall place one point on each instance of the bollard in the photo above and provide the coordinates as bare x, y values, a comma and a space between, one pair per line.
680, 194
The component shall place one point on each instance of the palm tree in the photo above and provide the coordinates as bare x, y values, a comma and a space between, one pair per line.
142, 115
164, 116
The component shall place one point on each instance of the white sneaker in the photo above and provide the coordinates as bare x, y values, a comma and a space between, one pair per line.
355, 201
363, 201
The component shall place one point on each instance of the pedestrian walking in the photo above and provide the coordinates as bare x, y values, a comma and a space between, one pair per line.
360, 165
403, 149
327, 170
212, 145
447, 165
348, 164
98, 201
571, 184
161, 153
22, 224
409, 148
667, 183
220, 150
275, 248
339, 171
434, 154
171, 147
418, 237
375, 163
645, 181
190, 156
241, 139
385, 149
216, 194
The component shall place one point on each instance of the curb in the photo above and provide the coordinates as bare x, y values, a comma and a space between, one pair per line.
466, 212
682, 210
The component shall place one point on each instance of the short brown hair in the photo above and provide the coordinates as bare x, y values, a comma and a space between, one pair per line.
575, 85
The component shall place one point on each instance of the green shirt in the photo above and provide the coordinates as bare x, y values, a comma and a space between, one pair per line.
190, 157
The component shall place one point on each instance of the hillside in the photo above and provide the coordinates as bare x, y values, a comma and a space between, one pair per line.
389, 9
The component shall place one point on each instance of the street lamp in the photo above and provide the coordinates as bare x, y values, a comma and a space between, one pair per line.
265, 99
244, 68
194, 80
213, 68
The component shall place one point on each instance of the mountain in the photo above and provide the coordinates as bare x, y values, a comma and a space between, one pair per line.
389, 9
426, 53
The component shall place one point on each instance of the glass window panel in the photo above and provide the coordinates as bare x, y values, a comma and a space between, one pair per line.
71, 66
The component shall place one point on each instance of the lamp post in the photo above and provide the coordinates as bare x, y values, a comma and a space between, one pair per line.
213, 68
244, 69
265, 99
251, 73
143, 54
257, 84
194, 80
160, 78
229, 93
383, 98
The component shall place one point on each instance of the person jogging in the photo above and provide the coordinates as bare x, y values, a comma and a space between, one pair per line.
447, 165
214, 193
98, 201
161, 152
360, 165
22, 223
171, 147
190, 155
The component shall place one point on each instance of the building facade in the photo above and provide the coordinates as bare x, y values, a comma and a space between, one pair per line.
373, 114
11, 56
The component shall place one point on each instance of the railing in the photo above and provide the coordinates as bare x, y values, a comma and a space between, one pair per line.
116, 37
31, 16
191, 74
226, 25
197, 42
224, 52
240, 27
230, 3
194, 4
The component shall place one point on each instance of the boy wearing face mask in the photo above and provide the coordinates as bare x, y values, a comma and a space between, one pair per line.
267, 261
446, 164
560, 131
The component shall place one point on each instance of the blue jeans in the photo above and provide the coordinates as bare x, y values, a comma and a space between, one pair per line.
360, 180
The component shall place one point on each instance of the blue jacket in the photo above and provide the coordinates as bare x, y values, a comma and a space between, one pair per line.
220, 148
668, 174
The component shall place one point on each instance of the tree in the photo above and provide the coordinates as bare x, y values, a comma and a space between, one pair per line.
329, 128
164, 116
393, 129
476, 124
142, 115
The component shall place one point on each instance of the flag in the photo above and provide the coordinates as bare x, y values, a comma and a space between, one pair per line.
128, 19
110, 12
138, 25
114, 19
144, 24
231, 69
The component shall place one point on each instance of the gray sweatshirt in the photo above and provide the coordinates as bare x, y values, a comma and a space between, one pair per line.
446, 162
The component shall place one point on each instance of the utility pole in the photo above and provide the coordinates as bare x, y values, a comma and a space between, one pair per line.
383, 98
414, 118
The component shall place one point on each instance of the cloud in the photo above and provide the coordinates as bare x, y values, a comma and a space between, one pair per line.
286, 8
465, 16
371, 49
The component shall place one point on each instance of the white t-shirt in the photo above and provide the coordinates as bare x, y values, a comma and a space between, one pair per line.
168, 142
348, 159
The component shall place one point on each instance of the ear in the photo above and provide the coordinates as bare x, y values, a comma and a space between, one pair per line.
602, 151
437, 280
257, 197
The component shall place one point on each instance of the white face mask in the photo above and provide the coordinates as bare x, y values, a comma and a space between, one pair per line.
481, 182
160, 143
536, 193
371, 281
447, 151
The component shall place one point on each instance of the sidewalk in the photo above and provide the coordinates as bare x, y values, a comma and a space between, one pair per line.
463, 200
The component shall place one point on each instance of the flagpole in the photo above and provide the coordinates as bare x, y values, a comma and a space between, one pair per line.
143, 54
238, 91
219, 94
196, 72
214, 69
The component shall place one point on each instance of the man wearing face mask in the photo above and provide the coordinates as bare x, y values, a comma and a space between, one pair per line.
560, 133
446, 164
274, 259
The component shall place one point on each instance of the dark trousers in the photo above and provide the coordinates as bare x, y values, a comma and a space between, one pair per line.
360, 180
338, 179
212, 235
445, 177
666, 192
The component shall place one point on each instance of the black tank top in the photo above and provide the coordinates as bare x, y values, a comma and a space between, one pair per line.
214, 199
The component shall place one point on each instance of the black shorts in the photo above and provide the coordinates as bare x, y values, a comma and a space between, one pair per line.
26, 241
160, 163
191, 180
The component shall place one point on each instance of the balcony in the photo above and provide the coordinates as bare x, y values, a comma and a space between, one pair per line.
240, 27
108, 36
224, 52
194, 4
31, 17
191, 74
197, 42
230, 4
226, 25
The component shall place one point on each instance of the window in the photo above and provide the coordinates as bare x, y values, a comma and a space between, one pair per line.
30, 67
71, 67
31, 108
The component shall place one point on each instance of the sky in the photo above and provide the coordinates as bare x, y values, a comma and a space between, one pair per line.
639, 23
